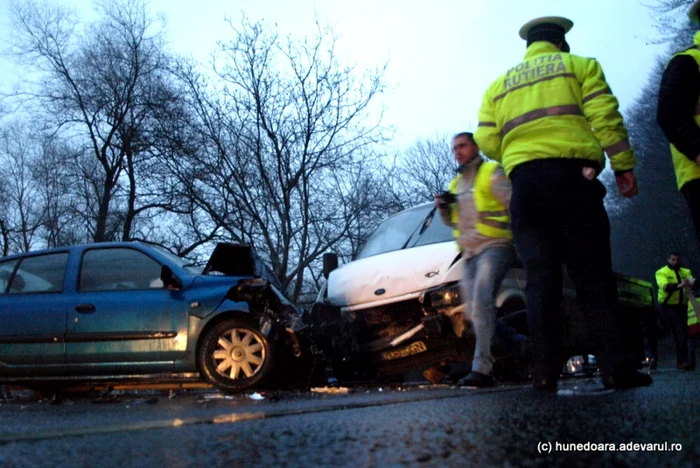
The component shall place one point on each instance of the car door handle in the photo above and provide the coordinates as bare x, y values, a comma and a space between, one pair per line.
85, 308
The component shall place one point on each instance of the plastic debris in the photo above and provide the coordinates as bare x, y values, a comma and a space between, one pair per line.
256, 396
218, 396
330, 390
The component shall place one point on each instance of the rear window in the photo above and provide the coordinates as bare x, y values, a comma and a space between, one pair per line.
39, 274
6, 269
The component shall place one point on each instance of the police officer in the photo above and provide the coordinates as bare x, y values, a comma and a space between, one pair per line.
678, 116
548, 120
673, 281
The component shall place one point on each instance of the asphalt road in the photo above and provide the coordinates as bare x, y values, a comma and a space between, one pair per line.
380, 426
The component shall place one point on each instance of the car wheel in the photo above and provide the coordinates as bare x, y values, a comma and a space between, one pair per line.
235, 356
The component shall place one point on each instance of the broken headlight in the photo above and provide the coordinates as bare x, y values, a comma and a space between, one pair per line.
442, 297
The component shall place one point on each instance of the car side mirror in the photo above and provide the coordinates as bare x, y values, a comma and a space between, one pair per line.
170, 281
330, 263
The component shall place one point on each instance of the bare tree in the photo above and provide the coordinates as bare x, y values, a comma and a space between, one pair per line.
285, 137
424, 169
22, 217
54, 172
103, 86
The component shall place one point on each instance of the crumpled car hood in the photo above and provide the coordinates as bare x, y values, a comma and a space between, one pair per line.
382, 277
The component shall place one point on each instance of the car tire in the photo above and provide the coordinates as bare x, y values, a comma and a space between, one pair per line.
235, 356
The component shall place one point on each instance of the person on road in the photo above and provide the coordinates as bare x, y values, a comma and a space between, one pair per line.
476, 207
673, 281
678, 115
547, 120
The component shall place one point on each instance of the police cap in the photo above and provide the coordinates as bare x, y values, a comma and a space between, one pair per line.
693, 12
555, 24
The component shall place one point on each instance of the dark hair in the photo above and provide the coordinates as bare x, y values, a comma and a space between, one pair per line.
546, 32
468, 135
674, 254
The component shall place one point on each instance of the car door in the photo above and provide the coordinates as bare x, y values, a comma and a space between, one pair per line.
122, 313
33, 310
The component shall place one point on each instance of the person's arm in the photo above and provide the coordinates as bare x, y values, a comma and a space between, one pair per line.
501, 187
488, 135
678, 97
688, 281
663, 283
600, 107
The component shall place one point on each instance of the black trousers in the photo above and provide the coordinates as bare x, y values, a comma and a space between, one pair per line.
651, 333
675, 316
558, 217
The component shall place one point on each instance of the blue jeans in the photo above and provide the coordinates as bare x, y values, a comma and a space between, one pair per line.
482, 277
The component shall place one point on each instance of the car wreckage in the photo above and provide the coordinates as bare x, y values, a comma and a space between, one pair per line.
129, 312
397, 306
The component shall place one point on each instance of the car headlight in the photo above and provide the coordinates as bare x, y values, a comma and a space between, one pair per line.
445, 296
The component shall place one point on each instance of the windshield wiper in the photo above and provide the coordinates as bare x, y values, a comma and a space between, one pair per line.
426, 222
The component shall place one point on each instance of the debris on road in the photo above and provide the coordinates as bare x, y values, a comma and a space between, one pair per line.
330, 390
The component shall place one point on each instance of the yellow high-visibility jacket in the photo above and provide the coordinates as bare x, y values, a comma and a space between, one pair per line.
552, 105
687, 170
493, 218
666, 275
692, 316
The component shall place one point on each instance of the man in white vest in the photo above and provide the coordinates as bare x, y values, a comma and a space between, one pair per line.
476, 207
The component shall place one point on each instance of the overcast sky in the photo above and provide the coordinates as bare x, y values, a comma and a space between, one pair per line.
442, 54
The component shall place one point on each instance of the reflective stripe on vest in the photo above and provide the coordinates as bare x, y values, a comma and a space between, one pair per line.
571, 109
592, 96
493, 219
692, 318
618, 147
686, 169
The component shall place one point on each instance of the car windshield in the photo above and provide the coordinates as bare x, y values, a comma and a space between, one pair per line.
179, 261
407, 229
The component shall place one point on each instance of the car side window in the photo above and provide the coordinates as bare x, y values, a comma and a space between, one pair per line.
118, 269
40, 274
6, 269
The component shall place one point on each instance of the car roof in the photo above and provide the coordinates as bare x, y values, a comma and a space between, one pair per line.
73, 247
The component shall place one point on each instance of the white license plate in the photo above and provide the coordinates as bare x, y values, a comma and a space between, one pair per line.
415, 348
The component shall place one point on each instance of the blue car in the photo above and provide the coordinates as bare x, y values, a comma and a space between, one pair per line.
113, 311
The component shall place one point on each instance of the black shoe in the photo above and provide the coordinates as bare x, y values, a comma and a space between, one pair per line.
476, 379
627, 380
547, 384
684, 366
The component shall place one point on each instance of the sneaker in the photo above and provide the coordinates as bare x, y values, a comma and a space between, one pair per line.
476, 379
628, 380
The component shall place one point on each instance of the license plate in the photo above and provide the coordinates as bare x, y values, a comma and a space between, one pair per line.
415, 348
